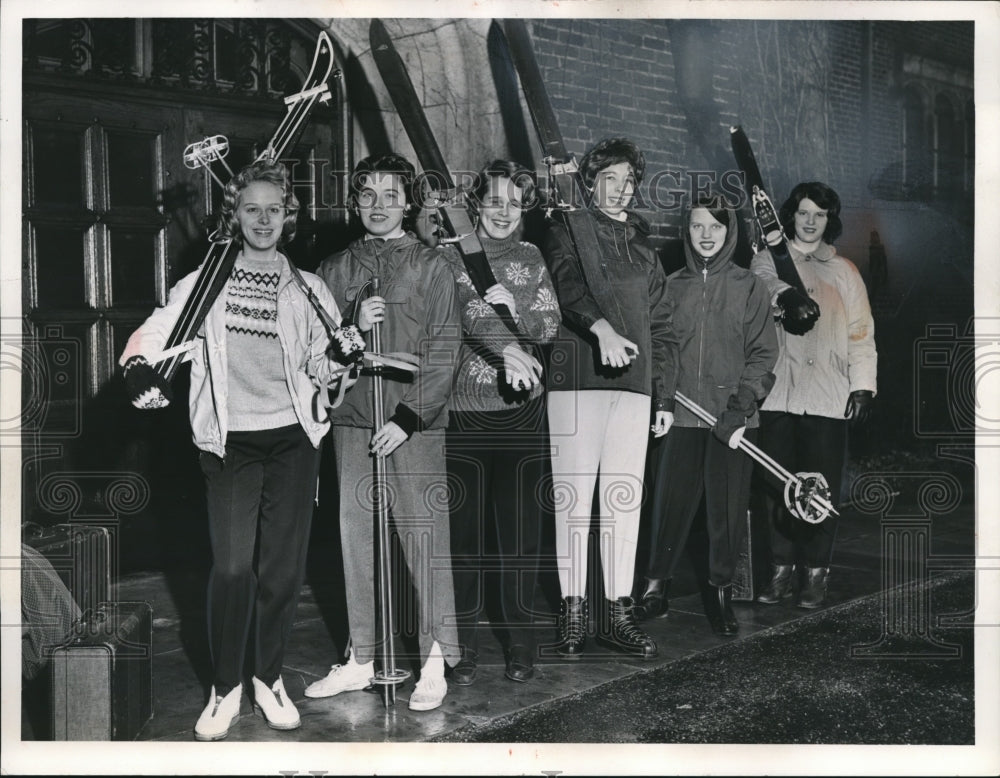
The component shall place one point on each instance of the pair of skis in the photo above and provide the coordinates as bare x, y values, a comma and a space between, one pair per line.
772, 233
221, 256
455, 211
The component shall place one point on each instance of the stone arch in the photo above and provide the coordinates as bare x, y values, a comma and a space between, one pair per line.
448, 64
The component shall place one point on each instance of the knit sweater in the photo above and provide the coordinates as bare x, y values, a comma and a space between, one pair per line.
258, 394
480, 383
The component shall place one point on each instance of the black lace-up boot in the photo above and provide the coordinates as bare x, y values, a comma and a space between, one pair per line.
573, 614
620, 631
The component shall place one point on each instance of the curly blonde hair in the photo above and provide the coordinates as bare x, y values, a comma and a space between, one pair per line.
267, 172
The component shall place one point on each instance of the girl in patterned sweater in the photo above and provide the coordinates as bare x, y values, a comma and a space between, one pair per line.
257, 366
496, 439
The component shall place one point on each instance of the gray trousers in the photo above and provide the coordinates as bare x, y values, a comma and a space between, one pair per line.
417, 488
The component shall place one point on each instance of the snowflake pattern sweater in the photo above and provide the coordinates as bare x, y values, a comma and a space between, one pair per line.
479, 381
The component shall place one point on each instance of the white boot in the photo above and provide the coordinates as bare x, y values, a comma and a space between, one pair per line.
279, 711
431, 689
218, 716
350, 677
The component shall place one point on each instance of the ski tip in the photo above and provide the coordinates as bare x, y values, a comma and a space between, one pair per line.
377, 33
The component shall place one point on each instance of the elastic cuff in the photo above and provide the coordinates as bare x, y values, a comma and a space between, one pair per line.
407, 420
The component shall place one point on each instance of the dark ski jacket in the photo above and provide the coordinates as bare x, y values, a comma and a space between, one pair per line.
422, 318
634, 303
726, 336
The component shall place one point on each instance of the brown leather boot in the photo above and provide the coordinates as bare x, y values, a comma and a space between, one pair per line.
780, 586
813, 594
654, 603
721, 615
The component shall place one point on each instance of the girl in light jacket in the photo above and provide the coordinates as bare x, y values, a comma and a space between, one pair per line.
825, 376
257, 367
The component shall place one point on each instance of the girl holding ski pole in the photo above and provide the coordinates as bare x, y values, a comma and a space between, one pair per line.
418, 312
721, 315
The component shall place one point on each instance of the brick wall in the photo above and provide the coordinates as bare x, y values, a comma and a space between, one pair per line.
795, 86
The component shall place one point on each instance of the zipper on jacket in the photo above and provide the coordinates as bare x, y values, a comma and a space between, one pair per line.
701, 330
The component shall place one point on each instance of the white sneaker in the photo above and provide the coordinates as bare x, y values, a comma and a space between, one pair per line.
349, 677
429, 693
278, 710
219, 714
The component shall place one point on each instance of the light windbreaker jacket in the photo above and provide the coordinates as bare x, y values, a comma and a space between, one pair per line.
303, 341
816, 372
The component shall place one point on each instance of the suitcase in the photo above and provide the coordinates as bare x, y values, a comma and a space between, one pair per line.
102, 678
80, 555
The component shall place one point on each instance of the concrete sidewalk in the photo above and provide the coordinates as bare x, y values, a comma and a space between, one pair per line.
181, 667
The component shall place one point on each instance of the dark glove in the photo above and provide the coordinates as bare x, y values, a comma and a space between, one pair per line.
347, 346
743, 401
798, 312
146, 388
859, 406
728, 422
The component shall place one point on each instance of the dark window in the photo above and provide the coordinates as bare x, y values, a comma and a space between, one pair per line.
60, 266
132, 175
58, 166
133, 266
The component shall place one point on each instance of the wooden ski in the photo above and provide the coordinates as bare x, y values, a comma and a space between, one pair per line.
221, 256
455, 211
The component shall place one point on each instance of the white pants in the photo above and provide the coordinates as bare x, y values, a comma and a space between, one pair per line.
597, 432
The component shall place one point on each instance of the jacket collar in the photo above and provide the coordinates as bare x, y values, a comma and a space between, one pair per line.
632, 219
375, 250
824, 252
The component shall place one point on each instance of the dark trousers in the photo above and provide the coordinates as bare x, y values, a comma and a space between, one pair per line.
801, 444
496, 461
265, 484
692, 462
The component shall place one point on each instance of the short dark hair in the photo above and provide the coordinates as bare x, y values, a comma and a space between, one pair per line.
611, 151
715, 205
269, 173
505, 168
821, 194
393, 164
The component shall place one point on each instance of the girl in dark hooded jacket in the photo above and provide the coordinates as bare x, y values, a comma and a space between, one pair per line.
721, 315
